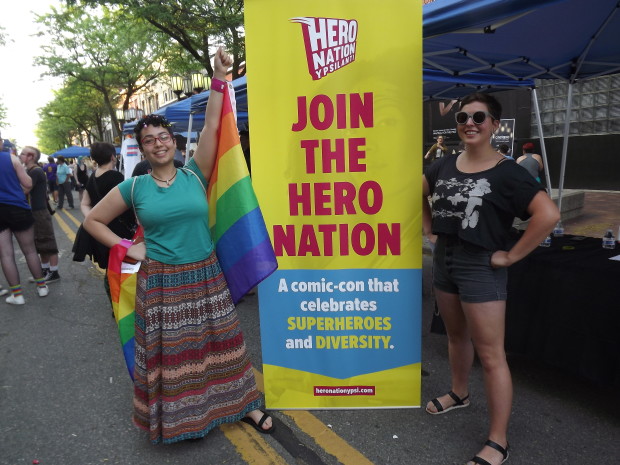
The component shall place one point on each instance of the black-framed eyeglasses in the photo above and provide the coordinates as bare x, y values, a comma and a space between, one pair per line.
161, 137
477, 117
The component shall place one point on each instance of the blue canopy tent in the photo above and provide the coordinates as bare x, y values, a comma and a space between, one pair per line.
188, 115
72, 152
441, 85
570, 40
199, 104
177, 113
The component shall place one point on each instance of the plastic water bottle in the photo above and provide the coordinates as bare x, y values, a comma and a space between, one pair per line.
558, 231
609, 241
546, 242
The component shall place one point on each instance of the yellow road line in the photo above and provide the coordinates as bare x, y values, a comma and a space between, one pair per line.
65, 227
252, 448
329, 441
72, 218
249, 443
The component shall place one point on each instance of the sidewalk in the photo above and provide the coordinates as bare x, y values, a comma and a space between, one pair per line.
601, 211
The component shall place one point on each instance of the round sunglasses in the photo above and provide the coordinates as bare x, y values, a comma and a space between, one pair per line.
477, 117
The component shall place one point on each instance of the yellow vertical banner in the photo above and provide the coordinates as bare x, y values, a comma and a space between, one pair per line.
335, 117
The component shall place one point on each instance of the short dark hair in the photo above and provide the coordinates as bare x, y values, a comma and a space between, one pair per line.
503, 148
60, 159
102, 152
151, 120
495, 108
181, 141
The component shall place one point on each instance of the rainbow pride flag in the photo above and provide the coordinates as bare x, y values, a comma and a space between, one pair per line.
238, 229
122, 278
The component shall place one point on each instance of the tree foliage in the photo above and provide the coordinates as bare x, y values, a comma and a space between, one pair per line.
100, 49
75, 110
198, 26
2, 115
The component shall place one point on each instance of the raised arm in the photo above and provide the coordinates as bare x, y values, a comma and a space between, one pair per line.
206, 150
24, 179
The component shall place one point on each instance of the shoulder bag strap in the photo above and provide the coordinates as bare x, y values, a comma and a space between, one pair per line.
133, 184
199, 180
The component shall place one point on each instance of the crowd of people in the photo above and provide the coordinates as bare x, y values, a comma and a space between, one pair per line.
192, 370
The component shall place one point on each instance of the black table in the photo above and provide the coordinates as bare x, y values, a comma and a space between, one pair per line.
563, 308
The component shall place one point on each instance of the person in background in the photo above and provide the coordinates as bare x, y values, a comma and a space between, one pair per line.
81, 174
503, 150
531, 161
475, 196
101, 181
50, 171
144, 167
130, 155
438, 150
63, 176
44, 237
192, 370
16, 220
179, 154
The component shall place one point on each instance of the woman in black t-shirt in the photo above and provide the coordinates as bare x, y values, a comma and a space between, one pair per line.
475, 196
101, 181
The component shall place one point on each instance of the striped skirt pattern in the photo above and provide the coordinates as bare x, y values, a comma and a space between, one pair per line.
192, 370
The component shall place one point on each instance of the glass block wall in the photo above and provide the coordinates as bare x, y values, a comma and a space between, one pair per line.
595, 107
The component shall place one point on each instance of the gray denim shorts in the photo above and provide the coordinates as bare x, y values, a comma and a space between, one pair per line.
465, 269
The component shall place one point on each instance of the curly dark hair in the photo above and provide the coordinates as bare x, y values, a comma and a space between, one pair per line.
495, 108
151, 120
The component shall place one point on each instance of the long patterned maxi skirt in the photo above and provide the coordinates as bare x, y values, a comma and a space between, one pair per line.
192, 370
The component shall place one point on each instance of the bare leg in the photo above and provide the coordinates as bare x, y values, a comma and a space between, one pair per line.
25, 239
487, 325
460, 348
7, 258
51, 259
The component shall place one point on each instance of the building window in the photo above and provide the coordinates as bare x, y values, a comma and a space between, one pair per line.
595, 106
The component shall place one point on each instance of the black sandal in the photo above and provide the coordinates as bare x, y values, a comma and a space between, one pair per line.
498, 448
459, 403
259, 427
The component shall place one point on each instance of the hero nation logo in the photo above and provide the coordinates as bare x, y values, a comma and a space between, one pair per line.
330, 43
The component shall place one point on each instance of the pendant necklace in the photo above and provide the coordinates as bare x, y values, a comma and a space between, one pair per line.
163, 180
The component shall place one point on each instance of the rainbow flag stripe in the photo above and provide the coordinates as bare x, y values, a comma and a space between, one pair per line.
238, 229
123, 292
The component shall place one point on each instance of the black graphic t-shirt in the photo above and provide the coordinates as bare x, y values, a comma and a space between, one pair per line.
479, 207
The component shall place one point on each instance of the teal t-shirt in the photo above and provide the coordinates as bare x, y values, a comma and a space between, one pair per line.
175, 218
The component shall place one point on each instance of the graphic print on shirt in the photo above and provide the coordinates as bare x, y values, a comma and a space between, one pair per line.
465, 195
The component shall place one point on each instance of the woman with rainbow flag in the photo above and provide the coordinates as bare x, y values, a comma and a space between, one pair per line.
192, 372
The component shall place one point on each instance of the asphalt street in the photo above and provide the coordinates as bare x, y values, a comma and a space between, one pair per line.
66, 398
